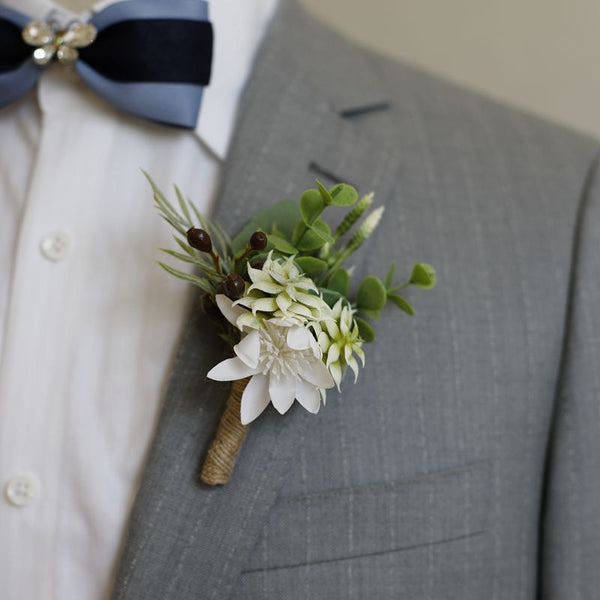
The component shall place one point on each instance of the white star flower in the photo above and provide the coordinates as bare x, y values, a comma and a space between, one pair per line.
281, 289
339, 340
283, 360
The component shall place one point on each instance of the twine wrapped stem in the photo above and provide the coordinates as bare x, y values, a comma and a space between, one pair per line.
227, 443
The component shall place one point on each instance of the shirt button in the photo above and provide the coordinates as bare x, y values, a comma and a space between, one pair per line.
55, 246
20, 490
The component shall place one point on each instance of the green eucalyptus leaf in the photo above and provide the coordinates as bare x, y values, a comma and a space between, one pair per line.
367, 333
312, 266
299, 229
402, 304
310, 241
389, 278
372, 294
339, 281
371, 314
343, 194
284, 215
323, 230
330, 296
281, 244
311, 206
423, 275
325, 195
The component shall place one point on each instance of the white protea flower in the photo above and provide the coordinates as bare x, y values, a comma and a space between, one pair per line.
281, 289
283, 360
339, 340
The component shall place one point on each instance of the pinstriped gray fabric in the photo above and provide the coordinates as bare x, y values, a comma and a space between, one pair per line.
571, 542
426, 479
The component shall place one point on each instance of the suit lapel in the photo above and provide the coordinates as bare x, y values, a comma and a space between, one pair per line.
186, 540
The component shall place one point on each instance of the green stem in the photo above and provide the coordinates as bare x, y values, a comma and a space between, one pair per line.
336, 265
240, 258
215, 259
400, 287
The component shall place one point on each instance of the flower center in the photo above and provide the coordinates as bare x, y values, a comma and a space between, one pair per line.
278, 359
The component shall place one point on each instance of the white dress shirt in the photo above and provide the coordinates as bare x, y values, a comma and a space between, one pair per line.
88, 321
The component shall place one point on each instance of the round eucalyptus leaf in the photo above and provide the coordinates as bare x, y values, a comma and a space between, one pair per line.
311, 206
339, 281
423, 275
370, 314
283, 216
343, 194
312, 266
372, 294
281, 244
402, 304
367, 333
310, 241
322, 230
327, 199
330, 296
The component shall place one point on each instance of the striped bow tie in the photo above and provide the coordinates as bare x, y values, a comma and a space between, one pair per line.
150, 58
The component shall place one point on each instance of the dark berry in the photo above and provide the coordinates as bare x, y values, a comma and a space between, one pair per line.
234, 286
199, 239
258, 240
259, 264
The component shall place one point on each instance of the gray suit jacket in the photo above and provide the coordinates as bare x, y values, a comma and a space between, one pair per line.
466, 461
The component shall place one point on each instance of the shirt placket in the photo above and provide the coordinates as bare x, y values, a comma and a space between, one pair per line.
33, 441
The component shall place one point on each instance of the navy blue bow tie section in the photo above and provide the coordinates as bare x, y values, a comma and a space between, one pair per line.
149, 58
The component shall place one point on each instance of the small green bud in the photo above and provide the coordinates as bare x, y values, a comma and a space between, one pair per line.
366, 229
354, 215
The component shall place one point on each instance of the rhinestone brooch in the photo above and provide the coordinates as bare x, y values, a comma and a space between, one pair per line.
52, 41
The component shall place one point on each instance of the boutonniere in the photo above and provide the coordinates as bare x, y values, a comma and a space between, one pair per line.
280, 292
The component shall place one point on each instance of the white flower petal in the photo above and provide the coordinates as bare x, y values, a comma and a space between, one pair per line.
324, 341
258, 275
317, 374
255, 398
268, 287
263, 305
301, 311
360, 353
290, 290
332, 329
285, 322
248, 321
231, 369
333, 354
347, 352
230, 312
323, 395
310, 300
298, 338
282, 391
277, 272
354, 366
336, 372
283, 301
336, 311
305, 284
308, 396
248, 350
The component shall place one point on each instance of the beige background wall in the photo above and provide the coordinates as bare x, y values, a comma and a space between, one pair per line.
542, 55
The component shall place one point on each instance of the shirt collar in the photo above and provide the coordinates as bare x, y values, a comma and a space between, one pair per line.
239, 27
